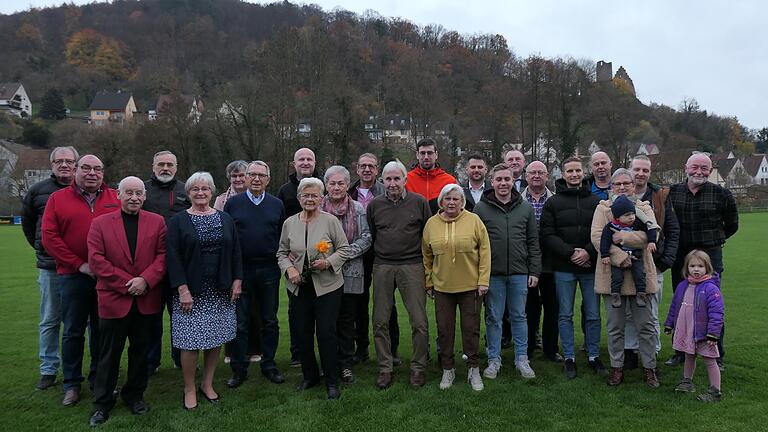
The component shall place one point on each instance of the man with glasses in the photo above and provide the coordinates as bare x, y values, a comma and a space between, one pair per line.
66, 221
63, 161
259, 218
165, 196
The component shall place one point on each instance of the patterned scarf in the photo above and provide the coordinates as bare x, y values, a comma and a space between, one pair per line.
346, 214
697, 280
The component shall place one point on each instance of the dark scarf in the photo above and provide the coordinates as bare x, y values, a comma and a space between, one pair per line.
346, 214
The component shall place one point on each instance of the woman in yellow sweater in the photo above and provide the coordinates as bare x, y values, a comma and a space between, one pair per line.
457, 263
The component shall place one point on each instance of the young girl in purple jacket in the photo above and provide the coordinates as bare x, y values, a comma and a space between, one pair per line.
696, 315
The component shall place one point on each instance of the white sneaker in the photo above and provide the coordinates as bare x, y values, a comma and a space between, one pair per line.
524, 366
447, 381
474, 379
492, 370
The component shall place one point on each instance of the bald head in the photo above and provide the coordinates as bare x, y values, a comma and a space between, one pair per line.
304, 162
89, 173
601, 166
697, 168
536, 175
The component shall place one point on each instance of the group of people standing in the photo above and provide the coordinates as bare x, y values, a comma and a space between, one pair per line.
111, 260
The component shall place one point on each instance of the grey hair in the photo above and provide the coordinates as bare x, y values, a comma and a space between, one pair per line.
448, 189
310, 182
121, 185
641, 157
622, 172
238, 165
163, 153
395, 164
259, 163
337, 169
200, 176
58, 149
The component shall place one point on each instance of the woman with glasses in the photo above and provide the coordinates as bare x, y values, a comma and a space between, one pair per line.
205, 270
313, 249
238, 182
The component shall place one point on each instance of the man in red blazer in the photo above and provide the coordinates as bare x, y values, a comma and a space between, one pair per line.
126, 252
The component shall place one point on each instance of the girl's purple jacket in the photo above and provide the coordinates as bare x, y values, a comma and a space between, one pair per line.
708, 309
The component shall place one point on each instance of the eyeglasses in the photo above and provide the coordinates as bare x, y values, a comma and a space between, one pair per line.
88, 168
259, 175
64, 161
200, 189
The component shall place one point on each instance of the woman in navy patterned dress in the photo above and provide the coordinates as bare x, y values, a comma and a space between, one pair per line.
205, 270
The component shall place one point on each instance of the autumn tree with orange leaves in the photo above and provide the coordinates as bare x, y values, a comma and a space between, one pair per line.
94, 52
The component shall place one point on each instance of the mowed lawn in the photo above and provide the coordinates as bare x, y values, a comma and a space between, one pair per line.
550, 402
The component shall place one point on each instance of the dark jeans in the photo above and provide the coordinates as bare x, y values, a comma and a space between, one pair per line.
261, 283
113, 333
543, 296
362, 317
155, 347
716, 256
638, 277
79, 310
318, 314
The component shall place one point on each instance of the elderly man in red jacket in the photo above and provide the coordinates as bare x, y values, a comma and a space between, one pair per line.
66, 221
126, 252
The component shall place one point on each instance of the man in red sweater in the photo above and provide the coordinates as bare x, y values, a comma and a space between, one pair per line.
64, 231
427, 178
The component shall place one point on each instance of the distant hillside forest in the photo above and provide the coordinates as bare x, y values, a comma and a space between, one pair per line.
261, 70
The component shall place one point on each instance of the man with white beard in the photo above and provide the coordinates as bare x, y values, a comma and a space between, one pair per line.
165, 196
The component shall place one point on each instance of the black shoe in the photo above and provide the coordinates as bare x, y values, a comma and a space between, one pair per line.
307, 384
598, 366
209, 399
274, 375
554, 357
236, 381
569, 368
396, 361
631, 360
138, 408
675, 360
347, 376
295, 363
46, 381
720, 364
98, 417
333, 392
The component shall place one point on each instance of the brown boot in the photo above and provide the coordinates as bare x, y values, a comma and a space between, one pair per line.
417, 378
384, 381
650, 378
616, 376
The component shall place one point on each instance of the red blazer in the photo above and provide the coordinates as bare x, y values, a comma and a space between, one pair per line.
109, 258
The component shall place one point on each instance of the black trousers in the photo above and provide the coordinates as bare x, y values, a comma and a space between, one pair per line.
345, 329
136, 328
318, 314
362, 317
543, 296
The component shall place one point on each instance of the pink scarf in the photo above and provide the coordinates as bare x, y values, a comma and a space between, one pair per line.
346, 214
697, 280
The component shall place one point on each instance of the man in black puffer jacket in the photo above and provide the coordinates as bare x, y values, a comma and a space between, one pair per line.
566, 221
63, 160
166, 196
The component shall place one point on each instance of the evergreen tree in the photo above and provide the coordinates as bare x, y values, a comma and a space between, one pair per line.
52, 105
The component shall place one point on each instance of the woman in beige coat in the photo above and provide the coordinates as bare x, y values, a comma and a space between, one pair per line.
623, 183
311, 255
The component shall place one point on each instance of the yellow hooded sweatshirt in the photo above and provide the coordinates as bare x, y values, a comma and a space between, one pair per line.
457, 253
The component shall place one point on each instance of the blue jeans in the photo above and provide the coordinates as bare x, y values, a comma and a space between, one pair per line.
50, 321
565, 284
263, 283
78, 310
512, 292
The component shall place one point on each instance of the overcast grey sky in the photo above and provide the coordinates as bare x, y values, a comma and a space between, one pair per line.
714, 51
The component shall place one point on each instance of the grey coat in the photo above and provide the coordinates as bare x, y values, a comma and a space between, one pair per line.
353, 268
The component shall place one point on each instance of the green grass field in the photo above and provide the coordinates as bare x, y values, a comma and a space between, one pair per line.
550, 402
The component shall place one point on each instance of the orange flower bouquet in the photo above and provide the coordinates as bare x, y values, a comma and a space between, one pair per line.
322, 247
